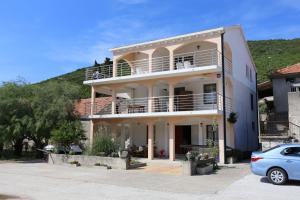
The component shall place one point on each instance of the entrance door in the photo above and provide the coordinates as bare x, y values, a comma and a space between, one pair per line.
182, 137
212, 134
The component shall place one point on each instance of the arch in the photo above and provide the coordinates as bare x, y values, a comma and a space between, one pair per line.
161, 59
132, 63
195, 54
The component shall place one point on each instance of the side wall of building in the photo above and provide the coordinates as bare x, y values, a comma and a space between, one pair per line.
244, 88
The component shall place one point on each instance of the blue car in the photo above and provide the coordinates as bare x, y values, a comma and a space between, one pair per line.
279, 164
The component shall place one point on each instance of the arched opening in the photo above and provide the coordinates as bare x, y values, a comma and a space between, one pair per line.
133, 63
123, 68
195, 54
160, 60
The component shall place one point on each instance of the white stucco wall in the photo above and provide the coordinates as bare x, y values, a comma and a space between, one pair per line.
245, 137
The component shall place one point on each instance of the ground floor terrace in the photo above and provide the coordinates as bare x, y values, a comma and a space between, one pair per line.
166, 137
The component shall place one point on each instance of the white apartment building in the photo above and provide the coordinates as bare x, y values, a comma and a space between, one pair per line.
176, 93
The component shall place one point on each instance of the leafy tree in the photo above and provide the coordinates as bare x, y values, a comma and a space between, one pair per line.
34, 111
15, 114
68, 133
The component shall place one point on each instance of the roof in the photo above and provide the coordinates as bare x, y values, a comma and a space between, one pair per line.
286, 71
264, 85
165, 40
83, 106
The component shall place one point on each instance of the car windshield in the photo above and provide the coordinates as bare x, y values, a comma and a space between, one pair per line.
271, 149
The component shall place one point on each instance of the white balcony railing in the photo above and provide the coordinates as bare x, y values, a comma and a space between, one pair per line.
181, 61
190, 102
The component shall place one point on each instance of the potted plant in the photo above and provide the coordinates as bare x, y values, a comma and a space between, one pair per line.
232, 117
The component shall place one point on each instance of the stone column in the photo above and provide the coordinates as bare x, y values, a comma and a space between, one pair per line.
150, 98
221, 140
150, 62
113, 102
93, 96
171, 97
150, 141
115, 66
171, 60
171, 141
91, 136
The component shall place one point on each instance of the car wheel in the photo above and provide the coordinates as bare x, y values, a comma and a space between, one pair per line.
277, 176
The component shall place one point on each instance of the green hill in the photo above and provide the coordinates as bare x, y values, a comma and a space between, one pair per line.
268, 56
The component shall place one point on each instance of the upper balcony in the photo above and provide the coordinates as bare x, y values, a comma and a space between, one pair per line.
160, 63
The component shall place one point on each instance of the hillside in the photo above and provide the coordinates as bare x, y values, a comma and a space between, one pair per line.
268, 56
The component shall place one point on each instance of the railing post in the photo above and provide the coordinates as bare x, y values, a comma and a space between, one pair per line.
150, 62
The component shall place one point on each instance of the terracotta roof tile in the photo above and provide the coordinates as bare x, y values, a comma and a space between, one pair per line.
292, 69
83, 106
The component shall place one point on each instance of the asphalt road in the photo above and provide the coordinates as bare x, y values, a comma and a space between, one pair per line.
41, 181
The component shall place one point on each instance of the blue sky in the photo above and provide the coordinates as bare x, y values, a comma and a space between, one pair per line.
40, 39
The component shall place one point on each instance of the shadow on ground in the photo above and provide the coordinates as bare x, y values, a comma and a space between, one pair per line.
289, 183
8, 197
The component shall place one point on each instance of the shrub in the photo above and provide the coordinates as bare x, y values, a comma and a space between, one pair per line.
104, 144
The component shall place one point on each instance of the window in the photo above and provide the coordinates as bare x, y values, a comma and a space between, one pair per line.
291, 151
212, 134
252, 101
210, 95
253, 126
247, 71
251, 79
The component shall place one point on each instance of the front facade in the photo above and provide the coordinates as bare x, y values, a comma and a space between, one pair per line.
166, 96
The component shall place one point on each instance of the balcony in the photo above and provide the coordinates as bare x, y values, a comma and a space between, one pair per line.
206, 103
182, 62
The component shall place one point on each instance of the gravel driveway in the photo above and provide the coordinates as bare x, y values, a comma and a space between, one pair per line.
43, 181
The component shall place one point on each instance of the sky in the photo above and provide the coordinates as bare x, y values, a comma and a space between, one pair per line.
40, 39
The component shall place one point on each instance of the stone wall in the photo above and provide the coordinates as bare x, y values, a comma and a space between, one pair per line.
84, 160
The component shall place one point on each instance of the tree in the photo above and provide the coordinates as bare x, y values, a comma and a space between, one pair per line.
52, 104
69, 132
34, 111
15, 114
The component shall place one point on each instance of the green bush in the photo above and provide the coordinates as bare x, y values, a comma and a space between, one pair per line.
104, 144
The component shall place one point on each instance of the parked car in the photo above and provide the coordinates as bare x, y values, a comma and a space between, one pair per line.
280, 163
74, 148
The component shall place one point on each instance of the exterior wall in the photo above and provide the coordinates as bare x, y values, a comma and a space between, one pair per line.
246, 138
294, 107
280, 90
281, 87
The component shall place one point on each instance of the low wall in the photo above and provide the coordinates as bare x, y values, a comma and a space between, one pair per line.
85, 160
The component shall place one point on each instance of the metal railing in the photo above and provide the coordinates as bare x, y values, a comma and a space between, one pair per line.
196, 59
190, 102
99, 72
136, 105
181, 61
294, 130
160, 64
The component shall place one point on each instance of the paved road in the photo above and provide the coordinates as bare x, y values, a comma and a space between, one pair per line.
41, 181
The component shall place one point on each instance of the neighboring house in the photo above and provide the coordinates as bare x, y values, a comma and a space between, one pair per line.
283, 120
167, 95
